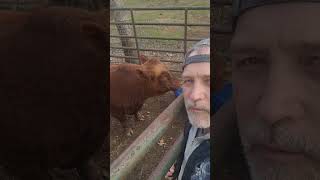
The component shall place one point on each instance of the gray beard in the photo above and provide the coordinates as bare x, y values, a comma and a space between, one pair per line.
261, 169
281, 134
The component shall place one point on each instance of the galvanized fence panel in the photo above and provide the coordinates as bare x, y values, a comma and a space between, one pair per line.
138, 47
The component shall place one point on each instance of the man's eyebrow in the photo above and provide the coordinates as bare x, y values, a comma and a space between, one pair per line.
245, 48
186, 76
307, 45
191, 77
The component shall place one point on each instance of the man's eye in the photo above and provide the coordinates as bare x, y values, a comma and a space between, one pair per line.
249, 61
311, 61
187, 81
207, 81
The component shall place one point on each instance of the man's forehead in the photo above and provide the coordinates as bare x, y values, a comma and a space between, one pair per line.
288, 23
197, 70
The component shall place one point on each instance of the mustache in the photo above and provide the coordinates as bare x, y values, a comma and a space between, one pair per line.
200, 107
281, 136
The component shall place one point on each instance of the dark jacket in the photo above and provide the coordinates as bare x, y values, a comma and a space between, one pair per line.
199, 156
228, 159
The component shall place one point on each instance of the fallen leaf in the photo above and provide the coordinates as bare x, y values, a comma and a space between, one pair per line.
161, 142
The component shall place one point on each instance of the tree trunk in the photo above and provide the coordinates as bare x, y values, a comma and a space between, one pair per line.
121, 16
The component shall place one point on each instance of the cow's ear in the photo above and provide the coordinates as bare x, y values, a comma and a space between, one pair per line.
143, 59
96, 33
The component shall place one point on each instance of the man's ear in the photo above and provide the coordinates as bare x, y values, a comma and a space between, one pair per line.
96, 33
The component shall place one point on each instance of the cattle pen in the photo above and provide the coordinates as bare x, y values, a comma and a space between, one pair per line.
172, 55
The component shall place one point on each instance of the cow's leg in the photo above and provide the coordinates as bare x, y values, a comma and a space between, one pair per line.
136, 115
90, 170
123, 121
30, 173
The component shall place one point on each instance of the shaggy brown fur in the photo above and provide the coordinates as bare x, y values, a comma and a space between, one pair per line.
131, 85
52, 89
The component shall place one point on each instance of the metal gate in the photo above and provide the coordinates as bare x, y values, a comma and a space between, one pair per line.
136, 38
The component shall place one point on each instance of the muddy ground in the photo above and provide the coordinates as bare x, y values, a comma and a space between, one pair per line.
150, 110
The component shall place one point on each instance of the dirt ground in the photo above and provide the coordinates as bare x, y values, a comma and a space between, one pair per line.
150, 110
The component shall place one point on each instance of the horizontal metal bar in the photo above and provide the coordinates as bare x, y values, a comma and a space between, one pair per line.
156, 50
124, 164
167, 8
222, 2
141, 49
159, 24
177, 71
156, 38
120, 47
126, 57
168, 160
132, 57
177, 62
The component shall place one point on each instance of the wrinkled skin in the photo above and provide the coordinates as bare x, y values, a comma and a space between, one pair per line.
276, 78
53, 102
196, 93
131, 85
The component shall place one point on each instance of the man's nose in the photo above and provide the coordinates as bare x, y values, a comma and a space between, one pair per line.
282, 97
198, 92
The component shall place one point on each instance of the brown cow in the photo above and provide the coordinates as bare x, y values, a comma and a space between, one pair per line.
131, 85
52, 90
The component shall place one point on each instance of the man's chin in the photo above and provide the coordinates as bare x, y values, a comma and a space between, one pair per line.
199, 120
270, 169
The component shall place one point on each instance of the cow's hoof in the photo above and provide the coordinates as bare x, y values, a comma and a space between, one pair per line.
139, 117
91, 171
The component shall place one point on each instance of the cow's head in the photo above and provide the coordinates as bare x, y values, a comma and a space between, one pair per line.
159, 77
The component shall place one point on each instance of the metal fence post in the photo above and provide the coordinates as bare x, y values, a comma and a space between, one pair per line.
185, 30
134, 32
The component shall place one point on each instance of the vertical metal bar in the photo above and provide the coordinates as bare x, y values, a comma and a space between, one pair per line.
134, 32
185, 30
16, 5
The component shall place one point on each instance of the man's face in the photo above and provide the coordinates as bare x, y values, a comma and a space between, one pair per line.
276, 77
196, 93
